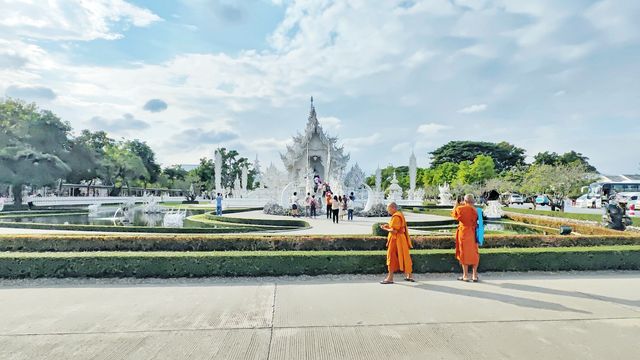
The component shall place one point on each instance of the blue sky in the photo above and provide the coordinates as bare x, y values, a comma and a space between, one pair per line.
387, 77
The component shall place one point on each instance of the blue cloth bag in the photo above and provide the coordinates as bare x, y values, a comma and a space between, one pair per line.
480, 228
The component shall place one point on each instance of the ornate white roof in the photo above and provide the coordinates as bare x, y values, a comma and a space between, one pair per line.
298, 150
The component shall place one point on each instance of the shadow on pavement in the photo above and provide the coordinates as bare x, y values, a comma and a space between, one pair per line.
507, 299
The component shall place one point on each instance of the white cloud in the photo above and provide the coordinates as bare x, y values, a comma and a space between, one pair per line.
473, 109
330, 124
72, 19
357, 143
431, 129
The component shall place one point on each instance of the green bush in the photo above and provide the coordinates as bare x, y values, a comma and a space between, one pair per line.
583, 229
134, 229
268, 222
185, 242
187, 264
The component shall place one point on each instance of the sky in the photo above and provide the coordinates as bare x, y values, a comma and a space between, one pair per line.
388, 77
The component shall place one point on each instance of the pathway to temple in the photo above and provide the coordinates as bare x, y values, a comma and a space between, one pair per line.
507, 316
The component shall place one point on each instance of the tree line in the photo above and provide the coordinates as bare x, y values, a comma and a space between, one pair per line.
37, 149
484, 167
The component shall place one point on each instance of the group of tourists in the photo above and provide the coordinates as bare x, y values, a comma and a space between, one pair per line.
337, 206
467, 239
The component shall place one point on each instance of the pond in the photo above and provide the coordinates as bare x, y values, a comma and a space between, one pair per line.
105, 216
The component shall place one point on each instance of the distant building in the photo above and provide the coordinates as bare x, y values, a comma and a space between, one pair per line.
188, 167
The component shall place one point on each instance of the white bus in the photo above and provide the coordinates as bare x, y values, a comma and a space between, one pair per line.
598, 193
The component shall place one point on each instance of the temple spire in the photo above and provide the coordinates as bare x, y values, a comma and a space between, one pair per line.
313, 120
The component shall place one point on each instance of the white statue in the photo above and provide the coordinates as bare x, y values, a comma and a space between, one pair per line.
445, 195
218, 171
245, 178
174, 218
378, 179
413, 172
236, 187
395, 191
494, 210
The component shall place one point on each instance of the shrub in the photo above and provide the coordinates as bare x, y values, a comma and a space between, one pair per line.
166, 242
556, 223
273, 208
377, 210
185, 264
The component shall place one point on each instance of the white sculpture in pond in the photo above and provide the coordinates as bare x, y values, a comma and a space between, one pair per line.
445, 195
174, 218
494, 210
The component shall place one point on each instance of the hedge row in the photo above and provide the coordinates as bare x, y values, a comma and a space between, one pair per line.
117, 242
578, 227
181, 264
128, 229
268, 222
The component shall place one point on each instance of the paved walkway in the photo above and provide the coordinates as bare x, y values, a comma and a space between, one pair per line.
507, 316
323, 226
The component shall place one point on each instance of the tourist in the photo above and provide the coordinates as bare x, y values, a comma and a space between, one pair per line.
307, 205
328, 200
219, 204
343, 207
313, 206
350, 208
335, 208
398, 245
466, 241
293, 201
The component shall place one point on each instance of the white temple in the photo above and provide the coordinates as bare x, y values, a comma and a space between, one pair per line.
314, 154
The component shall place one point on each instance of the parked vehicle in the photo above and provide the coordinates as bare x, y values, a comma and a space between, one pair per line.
510, 199
543, 200
588, 201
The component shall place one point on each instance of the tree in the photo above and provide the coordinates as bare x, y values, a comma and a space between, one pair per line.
123, 166
33, 144
552, 158
148, 157
504, 154
558, 181
174, 173
445, 173
482, 169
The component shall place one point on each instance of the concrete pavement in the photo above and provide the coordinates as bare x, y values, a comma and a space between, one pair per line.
506, 316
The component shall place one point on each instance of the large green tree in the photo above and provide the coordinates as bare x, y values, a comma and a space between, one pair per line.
504, 155
148, 157
36, 148
552, 158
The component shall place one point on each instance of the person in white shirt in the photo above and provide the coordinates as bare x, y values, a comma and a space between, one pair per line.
293, 201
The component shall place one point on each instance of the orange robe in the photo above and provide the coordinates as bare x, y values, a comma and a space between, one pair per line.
398, 245
466, 245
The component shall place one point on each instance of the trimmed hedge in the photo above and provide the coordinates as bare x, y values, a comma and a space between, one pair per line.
128, 229
181, 264
581, 228
268, 222
122, 242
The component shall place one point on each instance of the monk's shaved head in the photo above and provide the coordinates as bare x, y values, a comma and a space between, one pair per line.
469, 199
392, 206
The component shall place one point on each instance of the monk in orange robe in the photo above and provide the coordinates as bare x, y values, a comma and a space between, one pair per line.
398, 245
466, 245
